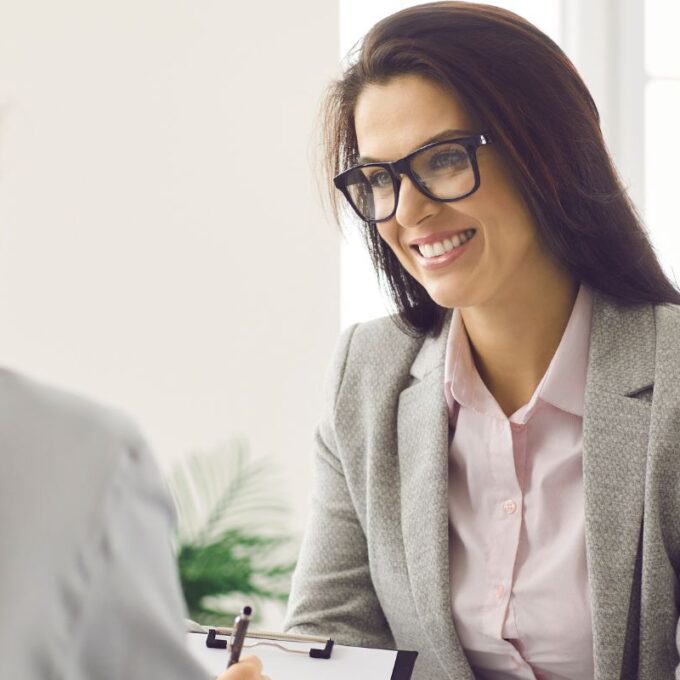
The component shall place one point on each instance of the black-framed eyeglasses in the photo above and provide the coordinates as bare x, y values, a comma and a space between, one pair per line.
443, 171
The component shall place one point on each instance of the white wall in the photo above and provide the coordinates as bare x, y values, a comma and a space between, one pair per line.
162, 242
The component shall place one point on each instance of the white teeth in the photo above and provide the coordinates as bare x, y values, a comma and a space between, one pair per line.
441, 247
426, 250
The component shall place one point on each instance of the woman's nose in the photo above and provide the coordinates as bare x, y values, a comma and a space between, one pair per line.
412, 205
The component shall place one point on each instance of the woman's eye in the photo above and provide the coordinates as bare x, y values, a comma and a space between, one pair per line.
449, 159
380, 179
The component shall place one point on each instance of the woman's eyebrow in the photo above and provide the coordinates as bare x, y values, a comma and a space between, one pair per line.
445, 134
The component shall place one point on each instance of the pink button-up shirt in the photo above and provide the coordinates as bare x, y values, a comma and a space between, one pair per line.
519, 582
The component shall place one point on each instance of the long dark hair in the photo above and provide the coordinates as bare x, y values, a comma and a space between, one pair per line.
527, 93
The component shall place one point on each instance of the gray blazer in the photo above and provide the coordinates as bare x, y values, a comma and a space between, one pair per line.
88, 584
374, 566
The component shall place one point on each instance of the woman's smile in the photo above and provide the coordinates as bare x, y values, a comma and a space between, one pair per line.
465, 252
436, 252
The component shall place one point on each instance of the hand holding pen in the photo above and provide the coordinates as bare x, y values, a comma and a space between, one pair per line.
248, 668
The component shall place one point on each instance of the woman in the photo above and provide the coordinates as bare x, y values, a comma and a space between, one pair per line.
497, 474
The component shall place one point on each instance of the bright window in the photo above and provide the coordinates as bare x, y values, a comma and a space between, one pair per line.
662, 143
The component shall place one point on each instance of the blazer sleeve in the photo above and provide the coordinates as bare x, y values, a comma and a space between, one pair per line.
677, 646
332, 592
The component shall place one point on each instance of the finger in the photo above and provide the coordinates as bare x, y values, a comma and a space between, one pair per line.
241, 671
252, 660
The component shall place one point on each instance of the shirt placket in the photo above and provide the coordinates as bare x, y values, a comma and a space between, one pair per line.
506, 516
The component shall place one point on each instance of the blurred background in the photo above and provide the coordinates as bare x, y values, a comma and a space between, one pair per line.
164, 246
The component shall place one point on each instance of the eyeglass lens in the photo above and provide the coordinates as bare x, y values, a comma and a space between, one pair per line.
444, 170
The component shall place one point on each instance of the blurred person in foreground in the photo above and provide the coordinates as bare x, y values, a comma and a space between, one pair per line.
88, 582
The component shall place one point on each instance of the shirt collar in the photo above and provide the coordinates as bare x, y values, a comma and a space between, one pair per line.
563, 384
463, 383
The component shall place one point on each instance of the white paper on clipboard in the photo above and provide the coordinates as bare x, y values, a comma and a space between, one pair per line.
357, 663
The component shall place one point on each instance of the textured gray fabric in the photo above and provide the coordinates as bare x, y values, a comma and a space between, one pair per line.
374, 564
88, 586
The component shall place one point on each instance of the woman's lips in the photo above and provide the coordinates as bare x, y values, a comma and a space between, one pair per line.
439, 261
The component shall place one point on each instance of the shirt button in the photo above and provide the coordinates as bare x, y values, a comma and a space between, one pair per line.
500, 591
509, 506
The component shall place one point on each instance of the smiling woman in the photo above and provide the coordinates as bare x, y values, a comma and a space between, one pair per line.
499, 235
498, 464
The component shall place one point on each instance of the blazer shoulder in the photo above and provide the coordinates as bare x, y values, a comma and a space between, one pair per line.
668, 316
373, 356
380, 346
667, 319
379, 334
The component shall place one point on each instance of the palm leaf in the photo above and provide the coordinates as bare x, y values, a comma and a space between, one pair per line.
230, 539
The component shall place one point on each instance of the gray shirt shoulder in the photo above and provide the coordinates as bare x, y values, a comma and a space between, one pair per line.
87, 579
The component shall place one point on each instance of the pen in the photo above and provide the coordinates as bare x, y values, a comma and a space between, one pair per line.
238, 636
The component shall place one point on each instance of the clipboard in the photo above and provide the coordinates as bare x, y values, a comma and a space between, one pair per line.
297, 657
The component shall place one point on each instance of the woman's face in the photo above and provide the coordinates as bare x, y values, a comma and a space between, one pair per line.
503, 256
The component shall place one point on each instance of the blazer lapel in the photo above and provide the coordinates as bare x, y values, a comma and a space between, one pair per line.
615, 439
422, 429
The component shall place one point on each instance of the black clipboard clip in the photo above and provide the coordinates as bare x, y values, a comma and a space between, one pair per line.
272, 640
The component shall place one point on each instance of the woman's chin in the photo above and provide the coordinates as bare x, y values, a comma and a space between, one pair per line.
448, 298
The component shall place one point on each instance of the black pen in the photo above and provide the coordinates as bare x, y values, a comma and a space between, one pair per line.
239, 635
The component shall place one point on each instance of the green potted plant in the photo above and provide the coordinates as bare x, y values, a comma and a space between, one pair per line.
231, 545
